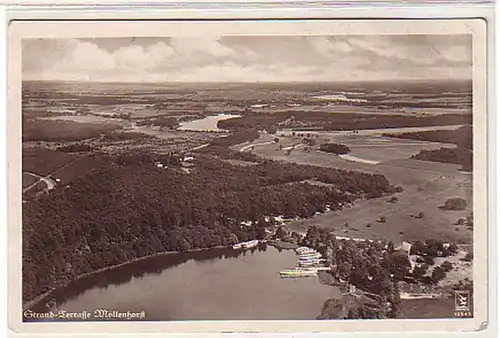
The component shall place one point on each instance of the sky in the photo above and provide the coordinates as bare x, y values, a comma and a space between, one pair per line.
250, 59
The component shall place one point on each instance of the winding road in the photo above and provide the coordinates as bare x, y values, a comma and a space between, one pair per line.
47, 180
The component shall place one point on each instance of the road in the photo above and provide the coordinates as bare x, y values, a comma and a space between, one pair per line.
47, 180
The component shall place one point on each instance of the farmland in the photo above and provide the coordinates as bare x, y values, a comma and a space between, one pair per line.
147, 183
80, 120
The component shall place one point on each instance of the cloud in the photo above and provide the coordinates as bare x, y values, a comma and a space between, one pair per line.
248, 59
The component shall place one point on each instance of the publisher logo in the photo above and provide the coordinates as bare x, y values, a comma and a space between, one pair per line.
463, 304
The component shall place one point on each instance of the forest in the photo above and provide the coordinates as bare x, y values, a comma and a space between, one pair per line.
461, 137
334, 148
130, 209
376, 268
460, 156
58, 131
366, 265
302, 120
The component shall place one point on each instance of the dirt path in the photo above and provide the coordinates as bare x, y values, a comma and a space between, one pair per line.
47, 180
255, 145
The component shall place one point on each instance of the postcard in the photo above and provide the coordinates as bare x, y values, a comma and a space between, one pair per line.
274, 176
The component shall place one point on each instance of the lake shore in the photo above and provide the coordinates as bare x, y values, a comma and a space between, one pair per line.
29, 304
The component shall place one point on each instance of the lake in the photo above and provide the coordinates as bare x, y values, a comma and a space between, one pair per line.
214, 284
208, 123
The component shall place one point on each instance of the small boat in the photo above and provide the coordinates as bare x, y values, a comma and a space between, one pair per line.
303, 249
305, 252
313, 269
250, 244
295, 273
312, 256
238, 246
246, 245
307, 263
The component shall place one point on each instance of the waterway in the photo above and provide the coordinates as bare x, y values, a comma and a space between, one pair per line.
215, 284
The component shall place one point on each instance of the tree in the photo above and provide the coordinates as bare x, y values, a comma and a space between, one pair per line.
334, 148
429, 260
419, 272
438, 274
390, 247
455, 204
447, 266
400, 265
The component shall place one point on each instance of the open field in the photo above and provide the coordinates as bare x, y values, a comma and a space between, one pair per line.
60, 130
426, 186
29, 180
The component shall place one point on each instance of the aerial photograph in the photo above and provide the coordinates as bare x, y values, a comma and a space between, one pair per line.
247, 178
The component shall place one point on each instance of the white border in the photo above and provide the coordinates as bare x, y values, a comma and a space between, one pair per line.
45, 29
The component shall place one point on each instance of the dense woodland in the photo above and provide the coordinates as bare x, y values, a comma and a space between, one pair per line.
75, 148
58, 131
130, 209
461, 137
368, 266
376, 269
334, 148
460, 156
302, 120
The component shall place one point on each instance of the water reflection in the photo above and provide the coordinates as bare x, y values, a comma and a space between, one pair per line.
213, 284
150, 266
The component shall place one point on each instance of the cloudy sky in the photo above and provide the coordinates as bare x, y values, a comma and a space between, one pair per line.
249, 59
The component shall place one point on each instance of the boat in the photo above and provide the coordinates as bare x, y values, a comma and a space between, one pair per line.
250, 244
308, 251
295, 273
305, 264
311, 256
313, 269
238, 246
246, 245
303, 249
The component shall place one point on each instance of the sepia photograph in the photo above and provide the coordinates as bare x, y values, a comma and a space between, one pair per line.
249, 177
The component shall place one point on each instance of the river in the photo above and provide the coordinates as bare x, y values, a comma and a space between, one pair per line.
215, 284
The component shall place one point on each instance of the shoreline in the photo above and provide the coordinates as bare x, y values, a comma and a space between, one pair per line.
27, 305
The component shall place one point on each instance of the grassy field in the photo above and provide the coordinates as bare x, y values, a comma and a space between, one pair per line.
58, 130
426, 186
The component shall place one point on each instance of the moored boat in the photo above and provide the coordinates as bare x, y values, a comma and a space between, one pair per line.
303, 249
311, 256
250, 244
293, 273
246, 245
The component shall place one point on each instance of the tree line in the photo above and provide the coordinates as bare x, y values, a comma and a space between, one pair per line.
461, 137
461, 156
335, 148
